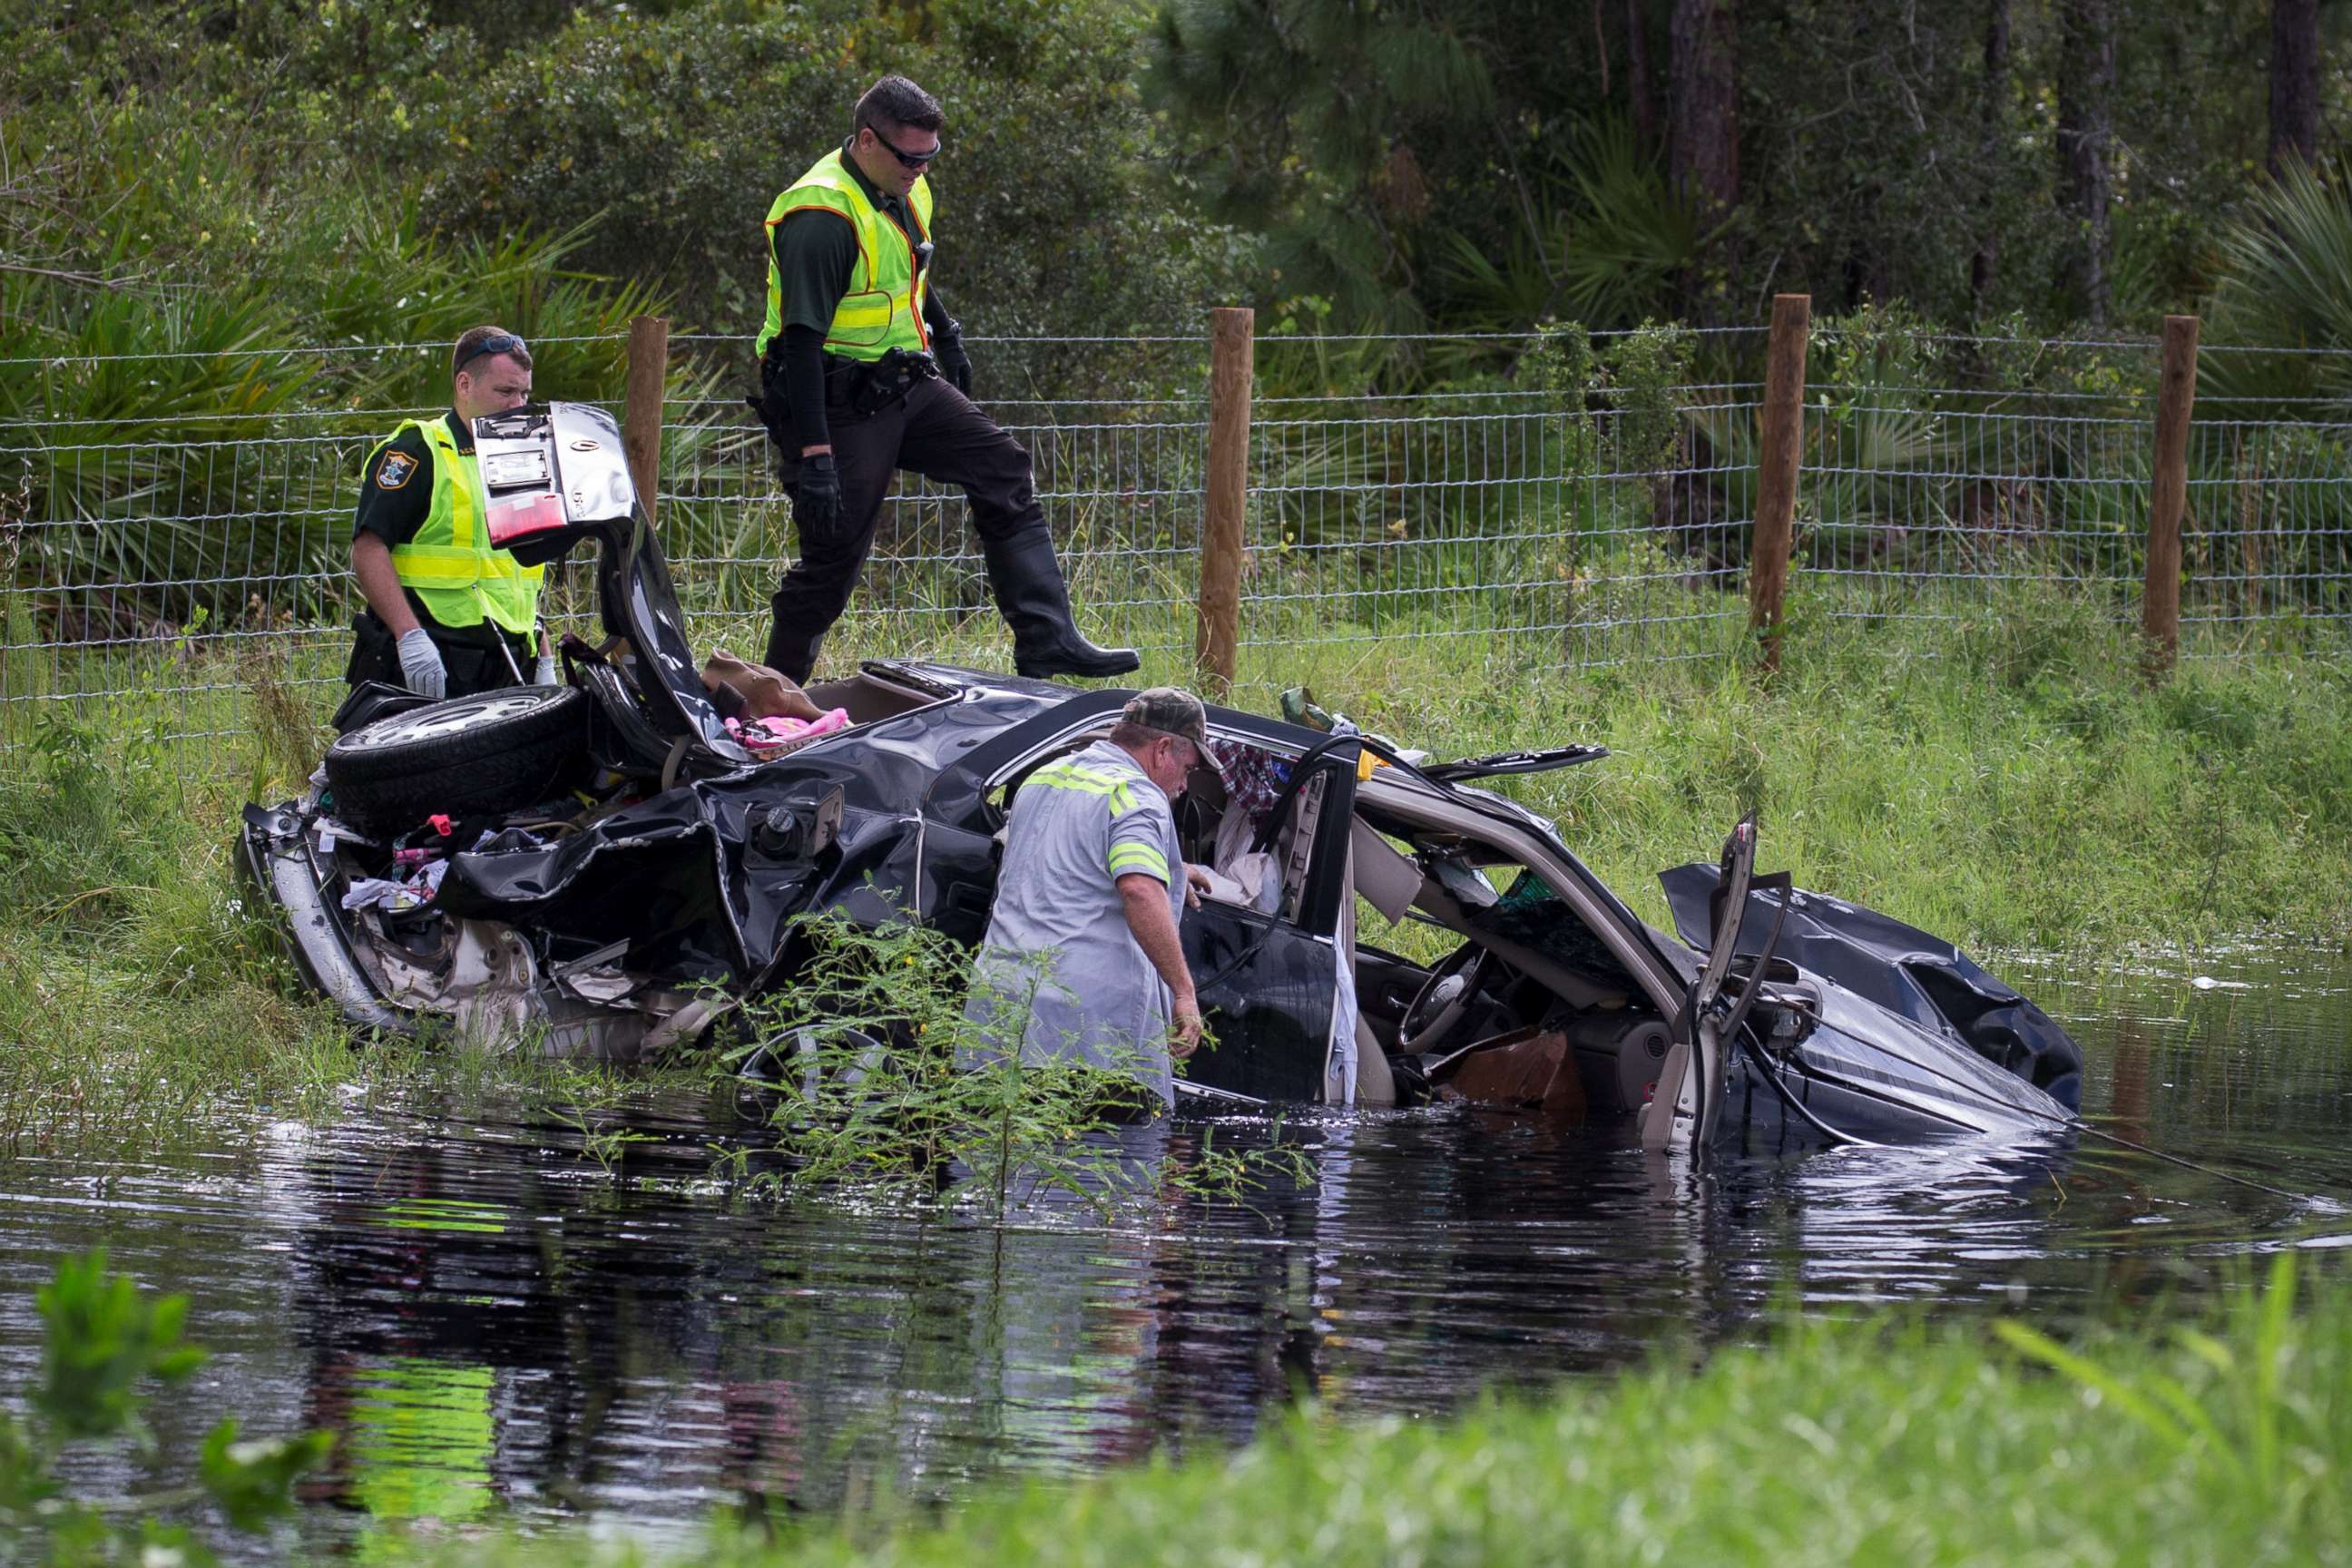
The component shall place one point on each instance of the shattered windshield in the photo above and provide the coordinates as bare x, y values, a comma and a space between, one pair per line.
1529, 914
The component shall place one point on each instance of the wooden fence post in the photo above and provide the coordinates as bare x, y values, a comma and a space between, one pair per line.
2159, 602
1776, 477
1231, 351
641, 407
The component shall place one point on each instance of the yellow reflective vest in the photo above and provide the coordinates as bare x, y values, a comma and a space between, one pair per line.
884, 307
451, 565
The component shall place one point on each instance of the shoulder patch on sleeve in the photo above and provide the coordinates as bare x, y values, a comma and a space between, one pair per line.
394, 470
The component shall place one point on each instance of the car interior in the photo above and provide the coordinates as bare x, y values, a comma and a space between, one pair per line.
868, 697
631, 738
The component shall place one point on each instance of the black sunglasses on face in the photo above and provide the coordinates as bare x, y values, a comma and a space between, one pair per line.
911, 159
496, 343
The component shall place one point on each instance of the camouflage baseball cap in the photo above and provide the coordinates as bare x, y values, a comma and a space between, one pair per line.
1171, 711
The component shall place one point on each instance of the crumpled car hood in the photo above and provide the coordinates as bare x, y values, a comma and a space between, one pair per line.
1920, 977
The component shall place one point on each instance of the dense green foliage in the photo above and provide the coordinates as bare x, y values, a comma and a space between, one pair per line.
187, 217
1480, 164
1838, 1442
2289, 286
224, 174
359, 172
671, 135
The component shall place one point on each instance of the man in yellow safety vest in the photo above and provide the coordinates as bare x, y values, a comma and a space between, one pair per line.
862, 372
449, 612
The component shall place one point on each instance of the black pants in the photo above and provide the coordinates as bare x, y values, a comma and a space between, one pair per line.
471, 655
935, 432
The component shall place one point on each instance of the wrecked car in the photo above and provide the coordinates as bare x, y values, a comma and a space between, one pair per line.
604, 867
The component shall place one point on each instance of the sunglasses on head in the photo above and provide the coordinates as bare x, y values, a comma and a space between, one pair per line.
496, 343
911, 159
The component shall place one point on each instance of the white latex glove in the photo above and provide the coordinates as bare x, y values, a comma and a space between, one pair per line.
421, 666
544, 672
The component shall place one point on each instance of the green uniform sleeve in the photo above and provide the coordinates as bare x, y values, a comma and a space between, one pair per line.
815, 252
396, 490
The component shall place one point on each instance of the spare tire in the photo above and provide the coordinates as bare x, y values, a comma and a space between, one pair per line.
491, 751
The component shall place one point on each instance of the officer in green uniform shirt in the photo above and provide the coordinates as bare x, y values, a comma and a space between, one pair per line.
862, 371
448, 614
1083, 960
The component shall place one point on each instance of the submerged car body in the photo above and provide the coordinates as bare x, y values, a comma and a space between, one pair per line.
621, 918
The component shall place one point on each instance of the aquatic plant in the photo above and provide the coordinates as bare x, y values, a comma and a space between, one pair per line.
105, 1345
884, 1088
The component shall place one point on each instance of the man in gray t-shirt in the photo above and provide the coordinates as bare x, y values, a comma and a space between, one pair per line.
1082, 942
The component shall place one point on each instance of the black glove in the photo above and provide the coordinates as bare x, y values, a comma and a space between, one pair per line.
946, 347
816, 497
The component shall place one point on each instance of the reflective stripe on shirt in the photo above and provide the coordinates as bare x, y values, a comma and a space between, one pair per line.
1126, 858
1087, 781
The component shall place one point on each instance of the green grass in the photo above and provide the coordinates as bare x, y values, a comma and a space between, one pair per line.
1877, 1442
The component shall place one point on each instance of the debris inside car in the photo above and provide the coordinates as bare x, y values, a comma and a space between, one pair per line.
603, 867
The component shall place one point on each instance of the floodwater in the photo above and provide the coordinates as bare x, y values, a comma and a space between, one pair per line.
499, 1328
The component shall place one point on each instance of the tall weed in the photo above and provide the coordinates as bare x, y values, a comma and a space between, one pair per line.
885, 1087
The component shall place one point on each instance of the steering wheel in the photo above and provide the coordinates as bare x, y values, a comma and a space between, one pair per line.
1437, 1010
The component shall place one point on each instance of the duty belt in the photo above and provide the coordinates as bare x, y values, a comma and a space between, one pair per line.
869, 386
863, 387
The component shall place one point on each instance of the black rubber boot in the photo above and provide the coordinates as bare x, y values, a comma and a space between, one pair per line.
792, 654
1035, 603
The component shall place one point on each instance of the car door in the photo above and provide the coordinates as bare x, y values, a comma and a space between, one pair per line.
1268, 983
1688, 1103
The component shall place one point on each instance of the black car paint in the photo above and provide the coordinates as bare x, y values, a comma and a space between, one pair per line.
1267, 990
688, 876
1903, 969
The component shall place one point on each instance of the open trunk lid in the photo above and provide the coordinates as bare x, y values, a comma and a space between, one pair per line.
557, 474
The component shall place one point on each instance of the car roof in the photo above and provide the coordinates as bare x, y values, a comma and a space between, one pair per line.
1018, 698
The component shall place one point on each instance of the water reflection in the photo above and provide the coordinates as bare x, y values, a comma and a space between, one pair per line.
492, 1323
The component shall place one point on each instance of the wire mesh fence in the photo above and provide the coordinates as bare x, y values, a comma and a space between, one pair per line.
1931, 496
1544, 499
142, 567
1116, 434
1497, 515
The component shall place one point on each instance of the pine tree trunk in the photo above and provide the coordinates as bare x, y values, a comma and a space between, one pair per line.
2086, 84
1984, 264
1640, 91
1703, 128
2294, 83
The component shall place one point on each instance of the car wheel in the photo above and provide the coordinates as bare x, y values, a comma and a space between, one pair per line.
491, 751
